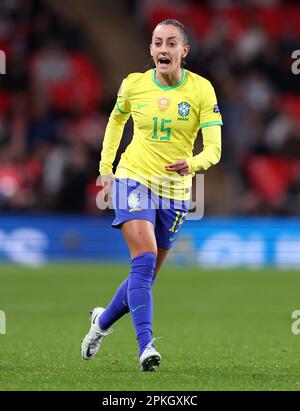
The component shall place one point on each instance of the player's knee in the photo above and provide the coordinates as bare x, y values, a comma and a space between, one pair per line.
143, 250
145, 261
141, 271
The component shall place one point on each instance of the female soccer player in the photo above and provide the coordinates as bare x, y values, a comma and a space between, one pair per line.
151, 186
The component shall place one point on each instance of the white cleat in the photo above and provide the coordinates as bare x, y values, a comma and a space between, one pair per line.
150, 358
92, 341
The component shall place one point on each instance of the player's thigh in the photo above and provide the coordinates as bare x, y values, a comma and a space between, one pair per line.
140, 237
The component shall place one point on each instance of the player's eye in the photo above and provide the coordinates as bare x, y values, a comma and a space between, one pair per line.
172, 44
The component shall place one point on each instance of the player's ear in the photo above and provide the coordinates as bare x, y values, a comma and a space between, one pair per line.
186, 50
151, 50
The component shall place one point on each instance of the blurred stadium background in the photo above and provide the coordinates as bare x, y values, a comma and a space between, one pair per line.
65, 62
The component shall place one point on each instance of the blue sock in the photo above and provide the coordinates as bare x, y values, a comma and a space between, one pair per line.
117, 307
140, 297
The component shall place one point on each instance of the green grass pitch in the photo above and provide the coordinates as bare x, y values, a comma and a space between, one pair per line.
222, 330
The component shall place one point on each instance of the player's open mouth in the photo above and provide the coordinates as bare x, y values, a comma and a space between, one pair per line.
164, 62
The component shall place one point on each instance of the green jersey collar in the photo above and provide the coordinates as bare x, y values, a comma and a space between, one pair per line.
173, 85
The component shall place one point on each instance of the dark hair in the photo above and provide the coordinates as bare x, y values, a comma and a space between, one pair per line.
179, 25
182, 29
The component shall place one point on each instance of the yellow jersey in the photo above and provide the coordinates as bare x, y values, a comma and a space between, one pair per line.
166, 122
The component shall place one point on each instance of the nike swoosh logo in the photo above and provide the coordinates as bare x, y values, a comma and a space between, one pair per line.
140, 106
136, 308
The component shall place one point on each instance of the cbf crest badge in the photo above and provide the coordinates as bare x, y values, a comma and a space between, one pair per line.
184, 109
134, 201
163, 103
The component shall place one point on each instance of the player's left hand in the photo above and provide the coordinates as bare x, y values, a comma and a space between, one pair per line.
181, 167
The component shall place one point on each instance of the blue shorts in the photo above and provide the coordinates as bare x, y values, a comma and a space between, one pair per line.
134, 201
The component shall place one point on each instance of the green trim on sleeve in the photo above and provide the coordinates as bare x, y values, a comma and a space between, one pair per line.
212, 123
121, 111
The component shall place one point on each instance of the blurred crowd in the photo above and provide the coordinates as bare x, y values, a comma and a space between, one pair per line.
244, 48
52, 122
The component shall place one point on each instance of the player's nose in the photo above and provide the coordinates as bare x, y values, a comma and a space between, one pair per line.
163, 49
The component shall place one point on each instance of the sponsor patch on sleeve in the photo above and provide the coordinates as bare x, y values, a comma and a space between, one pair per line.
216, 108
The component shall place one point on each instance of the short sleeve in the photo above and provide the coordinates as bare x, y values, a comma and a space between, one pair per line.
209, 111
123, 102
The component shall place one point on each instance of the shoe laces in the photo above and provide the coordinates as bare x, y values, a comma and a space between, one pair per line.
99, 335
150, 344
103, 333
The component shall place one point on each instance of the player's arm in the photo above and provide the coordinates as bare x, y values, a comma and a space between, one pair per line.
210, 123
114, 131
112, 139
211, 153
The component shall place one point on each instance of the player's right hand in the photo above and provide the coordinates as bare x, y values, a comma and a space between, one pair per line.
106, 184
182, 167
